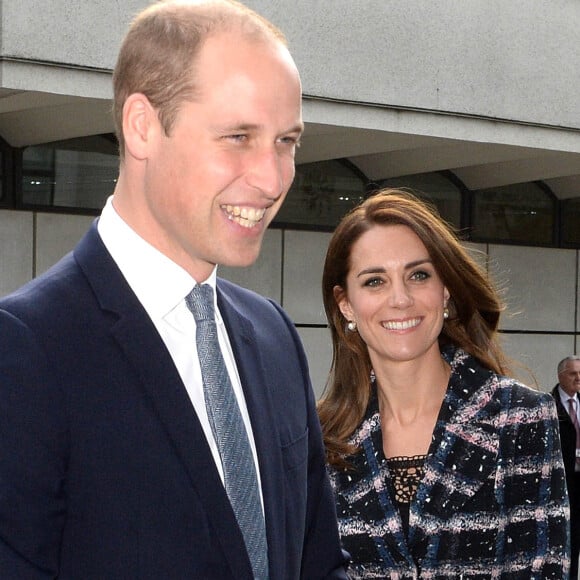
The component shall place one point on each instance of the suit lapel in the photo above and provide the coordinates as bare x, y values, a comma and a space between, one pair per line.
465, 444
563, 414
372, 459
258, 400
137, 337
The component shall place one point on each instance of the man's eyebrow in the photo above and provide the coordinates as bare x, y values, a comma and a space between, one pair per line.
255, 127
297, 129
238, 127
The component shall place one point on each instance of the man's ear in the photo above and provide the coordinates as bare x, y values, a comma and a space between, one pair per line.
140, 125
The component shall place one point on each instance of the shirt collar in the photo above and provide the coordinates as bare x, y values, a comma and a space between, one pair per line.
158, 282
564, 396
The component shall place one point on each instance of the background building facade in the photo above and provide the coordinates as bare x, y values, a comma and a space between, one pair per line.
474, 105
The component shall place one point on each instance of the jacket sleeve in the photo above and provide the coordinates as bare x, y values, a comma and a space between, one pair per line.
536, 500
322, 556
32, 457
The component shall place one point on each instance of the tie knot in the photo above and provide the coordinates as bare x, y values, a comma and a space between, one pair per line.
200, 302
572, 404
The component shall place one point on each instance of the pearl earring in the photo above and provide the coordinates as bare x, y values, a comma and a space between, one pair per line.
351, 325
446, 313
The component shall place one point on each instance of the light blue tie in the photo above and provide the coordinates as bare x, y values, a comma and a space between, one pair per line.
228, 428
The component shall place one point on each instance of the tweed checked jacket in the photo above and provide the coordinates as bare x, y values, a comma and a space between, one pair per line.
492, 503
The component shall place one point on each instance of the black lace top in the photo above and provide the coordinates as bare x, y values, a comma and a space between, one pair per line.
406, 475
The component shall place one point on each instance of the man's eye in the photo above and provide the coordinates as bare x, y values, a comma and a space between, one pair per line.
237, 137
290, 141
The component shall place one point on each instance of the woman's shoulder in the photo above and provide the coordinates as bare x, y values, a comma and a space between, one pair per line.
522, 396
470, 373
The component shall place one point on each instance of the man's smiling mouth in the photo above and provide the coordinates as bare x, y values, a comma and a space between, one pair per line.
247, 217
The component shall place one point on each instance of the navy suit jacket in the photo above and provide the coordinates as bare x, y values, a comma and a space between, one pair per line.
105, 472
568, 440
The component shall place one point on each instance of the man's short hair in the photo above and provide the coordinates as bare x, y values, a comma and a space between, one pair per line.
157, 56
564, 362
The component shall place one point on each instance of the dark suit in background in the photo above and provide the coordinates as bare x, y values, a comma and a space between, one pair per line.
568, 441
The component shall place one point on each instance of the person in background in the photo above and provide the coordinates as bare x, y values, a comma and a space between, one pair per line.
566, 394
442, 466
157, 422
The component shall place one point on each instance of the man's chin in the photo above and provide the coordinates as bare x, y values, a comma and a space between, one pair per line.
242, 260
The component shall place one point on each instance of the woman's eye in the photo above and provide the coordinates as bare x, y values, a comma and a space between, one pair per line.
420, 275
373, 282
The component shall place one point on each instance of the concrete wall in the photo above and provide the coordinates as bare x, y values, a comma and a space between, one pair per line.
541, 285
478, 57
487, 58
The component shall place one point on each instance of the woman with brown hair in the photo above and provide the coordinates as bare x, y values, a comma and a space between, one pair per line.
442, 466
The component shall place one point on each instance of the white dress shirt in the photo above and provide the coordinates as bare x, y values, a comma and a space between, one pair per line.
161, 286
565, 397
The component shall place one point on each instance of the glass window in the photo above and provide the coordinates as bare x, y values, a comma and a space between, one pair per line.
78, 173
434, 188
38, 175
322, 193
2, 176
571, 222
523, 213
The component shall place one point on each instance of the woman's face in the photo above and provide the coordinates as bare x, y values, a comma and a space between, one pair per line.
394, 295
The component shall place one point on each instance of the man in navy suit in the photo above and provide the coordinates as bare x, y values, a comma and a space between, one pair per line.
108, 466
568, 388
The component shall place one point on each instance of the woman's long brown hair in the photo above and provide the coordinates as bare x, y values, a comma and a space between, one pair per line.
474, 309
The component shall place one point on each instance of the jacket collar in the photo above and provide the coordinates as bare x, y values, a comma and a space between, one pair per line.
260, 408
465, 443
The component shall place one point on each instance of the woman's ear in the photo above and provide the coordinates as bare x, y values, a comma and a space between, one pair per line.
140, 124
342, 302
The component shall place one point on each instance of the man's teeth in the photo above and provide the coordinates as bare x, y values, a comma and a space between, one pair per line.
247, 217
401, 325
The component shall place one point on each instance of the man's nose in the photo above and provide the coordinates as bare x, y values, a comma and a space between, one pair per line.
265, 172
